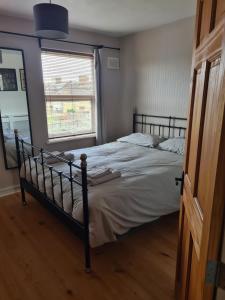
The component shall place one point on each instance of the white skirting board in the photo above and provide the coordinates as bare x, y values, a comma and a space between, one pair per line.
9, 190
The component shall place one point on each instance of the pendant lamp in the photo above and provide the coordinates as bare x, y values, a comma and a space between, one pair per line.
51, 20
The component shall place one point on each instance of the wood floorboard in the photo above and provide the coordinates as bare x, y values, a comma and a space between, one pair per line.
41, 259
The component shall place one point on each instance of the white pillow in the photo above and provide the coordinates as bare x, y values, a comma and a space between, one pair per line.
141, 139
175, 145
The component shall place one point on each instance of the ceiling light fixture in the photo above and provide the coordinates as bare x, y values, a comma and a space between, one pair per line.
51, 20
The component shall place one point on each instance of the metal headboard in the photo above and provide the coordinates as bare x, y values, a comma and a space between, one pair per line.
159, 125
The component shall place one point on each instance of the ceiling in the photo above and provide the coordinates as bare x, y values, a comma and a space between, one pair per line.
114, 17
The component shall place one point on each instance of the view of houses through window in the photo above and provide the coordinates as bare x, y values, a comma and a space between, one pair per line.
69, 92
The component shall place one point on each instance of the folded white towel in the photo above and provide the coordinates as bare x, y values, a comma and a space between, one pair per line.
96, 173
99, 175
53, 160
106, 178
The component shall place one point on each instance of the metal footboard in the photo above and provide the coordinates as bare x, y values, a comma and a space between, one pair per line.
31, 159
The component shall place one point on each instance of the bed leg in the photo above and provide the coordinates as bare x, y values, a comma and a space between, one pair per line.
87, 258
83, 158
23, 195
18, 152
24, 201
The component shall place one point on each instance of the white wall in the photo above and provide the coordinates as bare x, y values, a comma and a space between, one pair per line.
111, 88
35, 85
155, 70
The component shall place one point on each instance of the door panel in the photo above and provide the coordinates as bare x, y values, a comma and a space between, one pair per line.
206, 19
220, 10
209, 14
203, 205
196, 119
207, 164
194, 216
198, 29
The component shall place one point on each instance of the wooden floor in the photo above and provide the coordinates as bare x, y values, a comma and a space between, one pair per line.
41, 259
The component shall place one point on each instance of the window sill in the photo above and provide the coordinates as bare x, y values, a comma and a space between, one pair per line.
71, 138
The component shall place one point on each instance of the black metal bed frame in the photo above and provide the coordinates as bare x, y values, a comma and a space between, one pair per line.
145, 124
36, 154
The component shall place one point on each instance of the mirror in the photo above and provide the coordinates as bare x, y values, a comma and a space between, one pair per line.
14, 112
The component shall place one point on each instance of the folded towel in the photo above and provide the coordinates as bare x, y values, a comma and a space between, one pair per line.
48, 155
106, 178
53, 160
99, 175
96, 173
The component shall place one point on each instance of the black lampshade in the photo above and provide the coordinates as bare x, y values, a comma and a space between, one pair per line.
51, 20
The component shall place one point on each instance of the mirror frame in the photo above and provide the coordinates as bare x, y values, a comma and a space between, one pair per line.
28, 110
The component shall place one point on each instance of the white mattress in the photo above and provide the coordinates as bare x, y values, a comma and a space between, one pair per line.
145, 191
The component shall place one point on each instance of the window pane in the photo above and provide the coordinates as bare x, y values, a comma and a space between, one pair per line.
69, 91
67, 74
66, 118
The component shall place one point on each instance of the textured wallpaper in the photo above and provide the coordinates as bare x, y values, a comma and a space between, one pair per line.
156, 67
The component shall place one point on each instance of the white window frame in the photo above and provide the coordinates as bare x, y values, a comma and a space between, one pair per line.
72, 98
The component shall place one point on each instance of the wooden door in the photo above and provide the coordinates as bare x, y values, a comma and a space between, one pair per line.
203, 199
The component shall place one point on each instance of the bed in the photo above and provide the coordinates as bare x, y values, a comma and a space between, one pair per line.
145, 190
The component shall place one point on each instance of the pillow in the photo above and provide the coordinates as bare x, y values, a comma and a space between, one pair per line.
141, 139
175, 145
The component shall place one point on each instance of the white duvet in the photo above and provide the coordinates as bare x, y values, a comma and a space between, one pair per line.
145, 191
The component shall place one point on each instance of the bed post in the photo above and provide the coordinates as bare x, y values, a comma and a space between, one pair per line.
134, 122
170, 119
83, 159
19, 165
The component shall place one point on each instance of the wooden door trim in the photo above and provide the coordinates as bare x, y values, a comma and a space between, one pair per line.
205, 78
211, 45
194, 216
184, 278
190, 118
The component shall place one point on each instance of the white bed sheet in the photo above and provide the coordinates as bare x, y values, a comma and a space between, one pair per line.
145, 191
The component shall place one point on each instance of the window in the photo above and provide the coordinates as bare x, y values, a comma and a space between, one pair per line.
69, 93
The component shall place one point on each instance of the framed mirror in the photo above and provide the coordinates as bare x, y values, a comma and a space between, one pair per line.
14, 109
